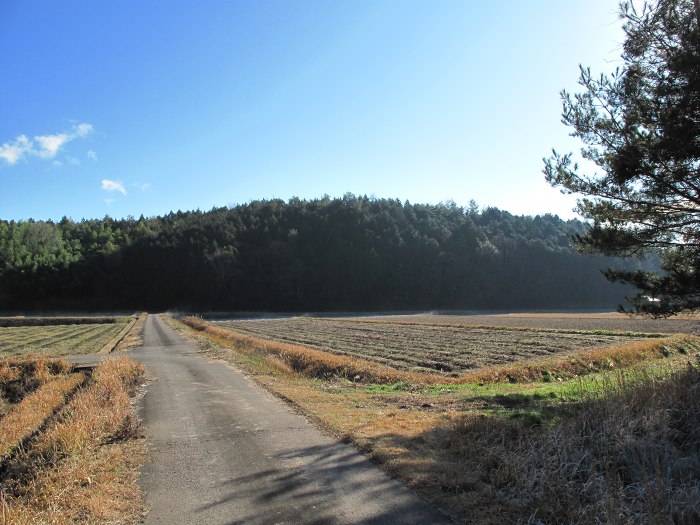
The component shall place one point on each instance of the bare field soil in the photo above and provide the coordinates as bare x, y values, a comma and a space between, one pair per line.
428, 347
612, 321
58, 340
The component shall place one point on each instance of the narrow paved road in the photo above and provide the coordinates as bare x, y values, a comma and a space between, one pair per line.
225, 451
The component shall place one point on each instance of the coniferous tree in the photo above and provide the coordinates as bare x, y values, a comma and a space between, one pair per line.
641, 127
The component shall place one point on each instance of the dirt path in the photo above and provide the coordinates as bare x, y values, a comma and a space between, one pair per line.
224, 451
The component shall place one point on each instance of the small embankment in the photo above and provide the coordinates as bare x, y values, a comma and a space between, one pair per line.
114, 342
586, 362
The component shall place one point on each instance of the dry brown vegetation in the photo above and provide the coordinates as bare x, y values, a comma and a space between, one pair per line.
631, 455
81, 468
601, 435
587, 361
27, 416
21, 376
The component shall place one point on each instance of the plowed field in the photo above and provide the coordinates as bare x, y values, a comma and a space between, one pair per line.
559, 321
427, 347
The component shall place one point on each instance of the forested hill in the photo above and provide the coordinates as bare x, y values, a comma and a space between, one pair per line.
350, 253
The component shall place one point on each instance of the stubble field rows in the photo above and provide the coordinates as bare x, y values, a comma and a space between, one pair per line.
558, 321
57, 340
452, 350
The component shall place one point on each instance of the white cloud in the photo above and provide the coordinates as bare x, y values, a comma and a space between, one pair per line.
42, 146
113, 185
92, 155
50, 144
109, 201
143, 186
16, 150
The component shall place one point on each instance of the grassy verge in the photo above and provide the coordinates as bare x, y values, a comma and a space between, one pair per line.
605, 436
135, 324
630, 453
82, 467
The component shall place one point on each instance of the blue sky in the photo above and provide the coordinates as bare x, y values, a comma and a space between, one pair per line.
132, 107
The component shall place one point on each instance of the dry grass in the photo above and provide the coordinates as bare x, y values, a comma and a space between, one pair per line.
631, 455
82, 468
587, 361
27, 416
134, 337
21, 376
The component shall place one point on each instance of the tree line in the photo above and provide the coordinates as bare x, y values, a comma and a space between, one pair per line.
351, 253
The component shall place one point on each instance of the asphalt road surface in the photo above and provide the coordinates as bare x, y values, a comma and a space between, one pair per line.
225, 451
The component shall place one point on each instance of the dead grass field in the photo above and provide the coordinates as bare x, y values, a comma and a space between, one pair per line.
426, 347
58, 340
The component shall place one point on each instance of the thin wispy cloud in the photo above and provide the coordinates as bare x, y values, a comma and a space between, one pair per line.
83, 130
92, 155
143, 186
113, 185
42, 146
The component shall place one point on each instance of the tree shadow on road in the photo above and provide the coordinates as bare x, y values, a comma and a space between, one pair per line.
324, 485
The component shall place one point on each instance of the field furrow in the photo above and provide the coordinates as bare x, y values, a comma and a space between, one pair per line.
449, 349
57, 340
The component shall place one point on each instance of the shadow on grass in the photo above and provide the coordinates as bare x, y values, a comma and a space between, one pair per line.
630, 456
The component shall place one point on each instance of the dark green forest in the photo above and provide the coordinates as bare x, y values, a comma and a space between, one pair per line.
343, 254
